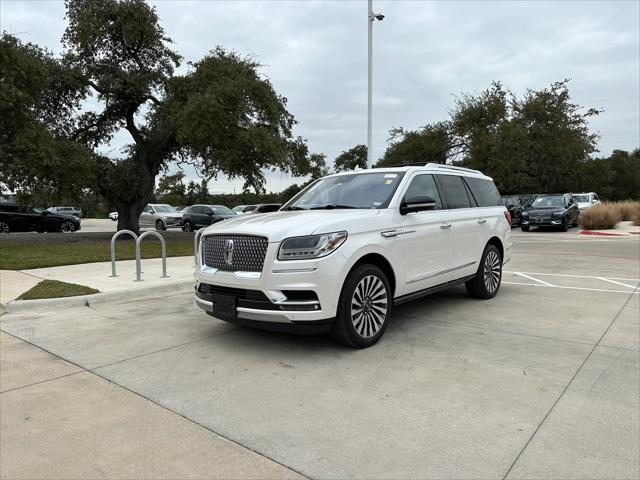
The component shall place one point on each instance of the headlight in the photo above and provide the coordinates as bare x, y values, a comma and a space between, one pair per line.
311, 246
558, 214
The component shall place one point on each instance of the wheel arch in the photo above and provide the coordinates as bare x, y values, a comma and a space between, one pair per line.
498, 244
382, 263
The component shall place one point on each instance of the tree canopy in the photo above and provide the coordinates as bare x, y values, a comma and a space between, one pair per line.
355, 157
118, 73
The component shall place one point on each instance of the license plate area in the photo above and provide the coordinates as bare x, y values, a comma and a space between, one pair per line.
223, 306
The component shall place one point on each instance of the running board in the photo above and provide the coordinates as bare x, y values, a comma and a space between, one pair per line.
430, 290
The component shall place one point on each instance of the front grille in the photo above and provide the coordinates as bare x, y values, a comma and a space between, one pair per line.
247, 252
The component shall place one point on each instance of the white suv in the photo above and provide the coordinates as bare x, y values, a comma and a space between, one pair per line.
340, 254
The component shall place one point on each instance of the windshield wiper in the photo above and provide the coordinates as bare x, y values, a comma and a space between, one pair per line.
331, 206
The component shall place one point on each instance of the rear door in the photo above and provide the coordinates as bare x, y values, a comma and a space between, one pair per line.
427, 239
468, 224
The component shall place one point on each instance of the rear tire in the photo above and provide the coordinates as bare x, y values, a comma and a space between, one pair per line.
564, 227
160, 225
364, 307
487, 281
4, 227
524, 228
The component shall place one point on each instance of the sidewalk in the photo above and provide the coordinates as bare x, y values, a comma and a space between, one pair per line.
61, 421
98, 276
621, 229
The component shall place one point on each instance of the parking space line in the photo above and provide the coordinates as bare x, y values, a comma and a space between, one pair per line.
616, 282
573, 288
542, 282
576, 276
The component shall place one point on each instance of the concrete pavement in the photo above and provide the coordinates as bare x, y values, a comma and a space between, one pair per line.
541, 382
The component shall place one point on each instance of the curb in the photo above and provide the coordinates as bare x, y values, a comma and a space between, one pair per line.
602, 234
115, 296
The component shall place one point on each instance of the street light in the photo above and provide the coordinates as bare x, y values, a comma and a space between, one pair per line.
371, 18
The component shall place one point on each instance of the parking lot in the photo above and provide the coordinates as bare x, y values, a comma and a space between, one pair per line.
541, 382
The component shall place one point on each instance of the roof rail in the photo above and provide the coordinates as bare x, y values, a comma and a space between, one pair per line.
451, 167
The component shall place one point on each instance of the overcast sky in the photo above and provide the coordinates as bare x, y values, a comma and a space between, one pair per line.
315, 53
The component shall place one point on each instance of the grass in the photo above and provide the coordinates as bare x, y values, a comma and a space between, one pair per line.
56, 289
25, 255
627, 209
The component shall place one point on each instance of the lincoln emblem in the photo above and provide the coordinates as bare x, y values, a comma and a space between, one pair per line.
227, 254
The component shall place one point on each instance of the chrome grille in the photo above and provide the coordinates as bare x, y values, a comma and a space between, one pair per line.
248, 252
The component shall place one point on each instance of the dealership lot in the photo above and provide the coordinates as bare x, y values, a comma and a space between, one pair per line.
542, 381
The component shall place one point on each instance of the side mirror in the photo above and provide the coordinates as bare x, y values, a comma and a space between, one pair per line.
210, 213
594, 201
418, 203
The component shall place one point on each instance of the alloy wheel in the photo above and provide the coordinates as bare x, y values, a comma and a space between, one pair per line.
369, 306
67, 227
4, 227
492, 271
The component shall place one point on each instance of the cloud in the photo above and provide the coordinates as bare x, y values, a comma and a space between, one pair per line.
315, 53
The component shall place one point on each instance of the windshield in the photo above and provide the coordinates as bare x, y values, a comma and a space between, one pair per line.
362, 190
556, 201
581, 198
164, 208
221, 210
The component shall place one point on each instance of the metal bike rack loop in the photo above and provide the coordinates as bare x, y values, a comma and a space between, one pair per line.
138, 254
113, 248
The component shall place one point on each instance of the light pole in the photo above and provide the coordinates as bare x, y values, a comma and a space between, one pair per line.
370, 19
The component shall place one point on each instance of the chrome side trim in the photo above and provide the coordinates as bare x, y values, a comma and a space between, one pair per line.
395, 233
431, 275
203, 304
294, 270
261, 315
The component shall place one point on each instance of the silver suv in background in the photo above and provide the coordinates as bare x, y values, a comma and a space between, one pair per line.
161, 216
75, 211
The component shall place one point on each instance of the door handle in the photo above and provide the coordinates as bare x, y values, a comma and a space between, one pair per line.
444, 226
482, 220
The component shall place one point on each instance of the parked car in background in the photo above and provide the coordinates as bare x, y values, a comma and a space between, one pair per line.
75, 211
340, 254
586, 200
181, 207
161, 216
198, 216
114, 216
266, 208
551, 210
37, 220
515, 207
243, 209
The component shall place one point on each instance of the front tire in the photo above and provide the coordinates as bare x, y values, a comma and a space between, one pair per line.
160, 225
565, 225
364, 307
487, 281
524, 228
67, 227
187, 227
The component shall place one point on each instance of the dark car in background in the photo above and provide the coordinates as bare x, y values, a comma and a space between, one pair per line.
267, 208
515, 207
37, 220
551, 210
244, 209
199, 216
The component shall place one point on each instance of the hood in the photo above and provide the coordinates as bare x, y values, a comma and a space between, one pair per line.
277, 226
582, 205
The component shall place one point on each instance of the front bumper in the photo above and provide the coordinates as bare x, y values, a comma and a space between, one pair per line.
172, 222
547, 222
274, 309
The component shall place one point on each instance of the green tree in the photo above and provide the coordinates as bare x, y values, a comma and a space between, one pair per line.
221, 116
318, 165
431, 143
355, 157
537, 143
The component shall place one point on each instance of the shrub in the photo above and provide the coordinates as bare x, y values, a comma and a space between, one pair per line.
635, 215
627, 209
600, 217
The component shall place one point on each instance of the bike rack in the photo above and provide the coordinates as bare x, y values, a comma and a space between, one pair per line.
138, 254
113, 248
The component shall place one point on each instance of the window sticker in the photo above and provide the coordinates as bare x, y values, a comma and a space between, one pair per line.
388, 181
391, 175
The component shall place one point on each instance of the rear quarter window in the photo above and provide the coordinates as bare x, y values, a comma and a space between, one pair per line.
484, 191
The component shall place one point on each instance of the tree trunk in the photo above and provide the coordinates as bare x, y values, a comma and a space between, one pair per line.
129, 214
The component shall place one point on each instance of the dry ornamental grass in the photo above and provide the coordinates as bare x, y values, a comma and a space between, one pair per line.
600, 217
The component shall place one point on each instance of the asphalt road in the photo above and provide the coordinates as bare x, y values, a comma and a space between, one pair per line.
541, 382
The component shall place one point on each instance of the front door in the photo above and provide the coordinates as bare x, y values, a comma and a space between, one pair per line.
428, 239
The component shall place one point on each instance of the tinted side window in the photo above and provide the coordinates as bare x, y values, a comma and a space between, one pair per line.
424, 185
484, 191
198, 210
454, 191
